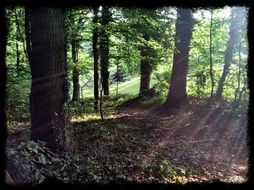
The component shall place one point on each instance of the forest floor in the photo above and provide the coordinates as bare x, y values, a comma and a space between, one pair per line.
143, 145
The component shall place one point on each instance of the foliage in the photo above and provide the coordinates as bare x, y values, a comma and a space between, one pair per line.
35, 163
165, 169
162, 77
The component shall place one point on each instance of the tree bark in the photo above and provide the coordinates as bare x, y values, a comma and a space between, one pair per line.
28, 31
235, 26
104, 49
75, 71
96, 57
145, 68
177, 95
3, 45
49, 84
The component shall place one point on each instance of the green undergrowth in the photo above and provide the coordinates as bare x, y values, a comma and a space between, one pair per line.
33, 163
164, 169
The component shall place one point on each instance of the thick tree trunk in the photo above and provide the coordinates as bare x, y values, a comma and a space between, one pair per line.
177, 95
3, 43
104, 49
75, 72
235, 26
49, 85
96, 57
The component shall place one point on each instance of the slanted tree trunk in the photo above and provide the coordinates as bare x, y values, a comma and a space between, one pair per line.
145, 68
104, 49
75, 71
235, 27
48, 69
96, 57
177, 95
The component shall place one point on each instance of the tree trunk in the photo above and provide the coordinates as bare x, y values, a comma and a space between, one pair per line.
211, 59
96, 57
17, 45
235, 103
104, 49
49, 84
3, 45
145, 71
235, 26
75, 72
177, 95
28, 31
19, 33
17, 57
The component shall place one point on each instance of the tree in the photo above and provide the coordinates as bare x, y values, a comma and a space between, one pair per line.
3, 43
48, 69
177, 91
104, 48
236, 24
96, 57
149, 31
210, 56
75, 71
147, 54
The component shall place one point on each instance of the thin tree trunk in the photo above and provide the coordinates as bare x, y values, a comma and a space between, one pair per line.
235, 26
20, 33
49, 85
104, 49
177, 95
101, 102
28, 31
75, 72
234, 104
17, 56
211, 58
117, 70
96, 57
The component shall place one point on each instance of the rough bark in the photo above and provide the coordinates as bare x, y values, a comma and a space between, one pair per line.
177, 95
104, 49
96, 57
235, 27
75, 71
48, 69
3, 43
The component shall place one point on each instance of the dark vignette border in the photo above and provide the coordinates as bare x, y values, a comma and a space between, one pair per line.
126, 3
